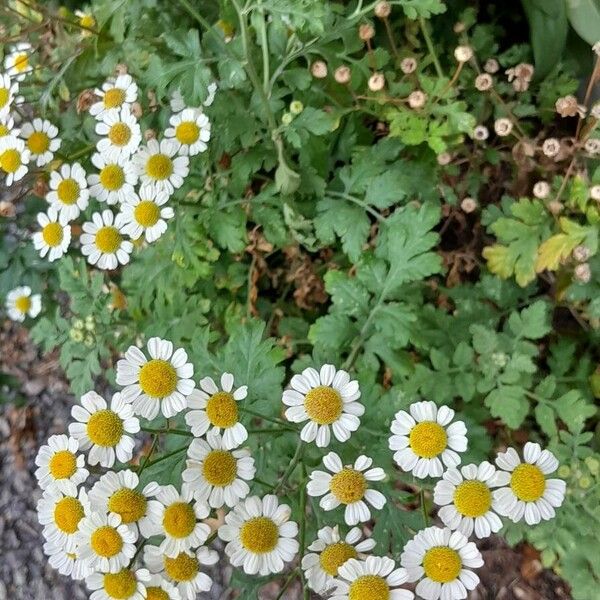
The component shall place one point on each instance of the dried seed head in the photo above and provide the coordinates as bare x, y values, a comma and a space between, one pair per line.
319, 69
376, 82
85, 100
463, 53
583, 273
408, 65
366, 31
592, 146
149, 134
444, 158
417, 99
481, 133
468, 204
483, 82
383, 10
520, 85
567, 106
551, 147
503, 126
581, 253
541, 189
491, 66
524, 71
40, 187
595, 193
555, 207
343, 74
7, 209
458, 27
136, 110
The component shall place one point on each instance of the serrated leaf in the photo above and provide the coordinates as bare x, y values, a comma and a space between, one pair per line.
508, 403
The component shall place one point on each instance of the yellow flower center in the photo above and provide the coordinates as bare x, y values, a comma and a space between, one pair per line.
21, 62
67, 513
105, 428
53, 234
68, 191
428, 439
108, 239
158, 378
130, 505
323, 405
119, 134
348, 486
121, 585
219, 468
528, 483
442, 564
10, 160
146, 213
4, 130
23, 304
259, 535
159, 166
62, 465
183, 567
187, 132
87, 21
369, 587
472, 498
156, 593
114, 97
106, 541
38, 142
222, 410
179, 519
334, 556
112, 177
4, 96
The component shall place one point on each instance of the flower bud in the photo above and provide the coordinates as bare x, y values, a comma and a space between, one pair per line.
503, 126
417, 99
491, 66
595, 193
408, 65
287, 118
343, 74
376, 82
444, 158
463, 54
7, 209
319, 69
483, 82
592, 146
481, 133
366, 32
581, 253
296, 107
551, 147
555, 207
541, 189
468, 204
383, 10
583, 273
567, 106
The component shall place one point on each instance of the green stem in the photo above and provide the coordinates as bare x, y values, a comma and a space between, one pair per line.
85, 150
264, 483
164, 457
302, 540
287, 584
424, 507
268, 431
167, 430
264, 45
430, 47
147, 457
273, 420
357, 201
295, 459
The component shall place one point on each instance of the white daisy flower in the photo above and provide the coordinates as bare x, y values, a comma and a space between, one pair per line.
114, 94
103, 242
66, 563
375, 578
163, 382
216, 475
125, 584
259, 535
157, 164
179, 517
217, 408
60, 466
529, 493
184, 571
441, 560
54, 237
117, 492
120, 131
7, 127
17, 63
102, 430
467, 501
20, 303
14, 157
190, 129
9, 88
115, 180
41, 140
69, 193
158, 588
349, 485
145, 214
424, 439
326, 399
104, 543
329, 552
87, 20
61, 515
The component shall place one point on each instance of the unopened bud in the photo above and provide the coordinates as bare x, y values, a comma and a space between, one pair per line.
503, 127
483, 82
296, 107
417, 99
555, 207
7, 209
595, 193
444, 158
583, 273
408, 65
481, 133
366, 31
491, 66
541, 189
463, 53
319, 69
287, 118
376, 82
469, 204
343, 74
459, 27
149, 134
383, 10
551, 147
136, 110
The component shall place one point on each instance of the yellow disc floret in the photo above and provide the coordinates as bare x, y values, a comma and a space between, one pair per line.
187, 132
371, 587
259, 535
158, 378
23, 304
219, 468
67, 513
68, 191
528, 483
472, 498
53, 234
106, 541
184, 567
348, 486
146, 213
112, 177
21, 62
108, 239
156, 593
38, 142
87, 21
119, 134
4, 96
129, 504
334, 556
323, 405
114, 97
159, 166
442, 564
62, 465
10, 160
179, 519
4, 130
222, 410
105, 428
428, 439
121, 585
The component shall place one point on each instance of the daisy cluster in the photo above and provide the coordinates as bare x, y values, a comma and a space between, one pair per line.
134, 539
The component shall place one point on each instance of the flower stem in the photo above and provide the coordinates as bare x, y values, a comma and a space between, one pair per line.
295, 459
147, 457
430, 47
164, 457
424, 507
167, 430
273, 420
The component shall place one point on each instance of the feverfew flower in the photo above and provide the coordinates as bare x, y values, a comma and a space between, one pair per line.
190, 129
157, 164
217, 408
66, 563
441, 561
260, 537
425, 438
20, 303
14, 157
68, 190
7, 127
120, 130
9, 89
41, 140
114, 94
114, 182
17, 63
103, 242
103, 430
54, 237
349, 485
326, 399
163, 382
329, 552
530, 494
145, 214
125, 584
158, 588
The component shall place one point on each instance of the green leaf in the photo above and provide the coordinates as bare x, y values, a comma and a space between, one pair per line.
584, 16
532, 322
509, 403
